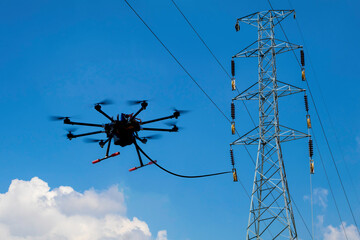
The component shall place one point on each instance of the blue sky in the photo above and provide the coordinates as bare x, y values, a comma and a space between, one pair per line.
60, 57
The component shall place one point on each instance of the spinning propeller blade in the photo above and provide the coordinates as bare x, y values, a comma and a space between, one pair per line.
57, 118
71, 129
180, 111
92, 140
173, 124
105, 102
135, 102
155, 136
69, 135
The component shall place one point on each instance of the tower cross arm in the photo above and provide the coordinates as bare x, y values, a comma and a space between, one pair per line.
264, 46
285, 134
275, 15
283, 89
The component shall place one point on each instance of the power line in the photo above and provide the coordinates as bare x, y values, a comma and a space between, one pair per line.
328, 181
177, 61
324, 133
201, 39
326, 108
211, 52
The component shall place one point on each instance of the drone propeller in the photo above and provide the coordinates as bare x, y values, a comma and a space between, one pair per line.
180, 111
135, 102
173, 124
155, 136
58, 118
105, 102
92, 140
70, 131
177, 112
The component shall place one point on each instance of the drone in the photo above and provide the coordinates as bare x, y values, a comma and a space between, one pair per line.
123, 130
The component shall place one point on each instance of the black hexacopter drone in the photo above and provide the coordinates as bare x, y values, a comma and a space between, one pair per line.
123, 130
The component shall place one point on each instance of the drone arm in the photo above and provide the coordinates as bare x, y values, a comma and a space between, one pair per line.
83, 124
86, 134
137, 113
144, 104
158, 119
98, 108
160, 129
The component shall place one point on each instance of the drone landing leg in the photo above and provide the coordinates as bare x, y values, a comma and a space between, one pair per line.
112, 155
138, 149
138, 152
107, 153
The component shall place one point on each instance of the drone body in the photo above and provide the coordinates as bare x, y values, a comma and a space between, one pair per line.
123, 131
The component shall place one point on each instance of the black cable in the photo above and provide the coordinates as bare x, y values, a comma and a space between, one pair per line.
177, 61
186, 176
179, 175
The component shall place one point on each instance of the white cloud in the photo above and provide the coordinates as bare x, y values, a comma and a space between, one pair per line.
320, 197
31, 211
337, 233
162, 235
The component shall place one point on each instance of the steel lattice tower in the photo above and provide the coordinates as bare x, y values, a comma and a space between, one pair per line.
271, 214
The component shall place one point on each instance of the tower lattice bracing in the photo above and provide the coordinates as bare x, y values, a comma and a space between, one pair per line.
271, 214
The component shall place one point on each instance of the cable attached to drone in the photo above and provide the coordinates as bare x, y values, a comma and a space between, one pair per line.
179, 175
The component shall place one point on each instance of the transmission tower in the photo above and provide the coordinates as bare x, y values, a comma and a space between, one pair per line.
271, 214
